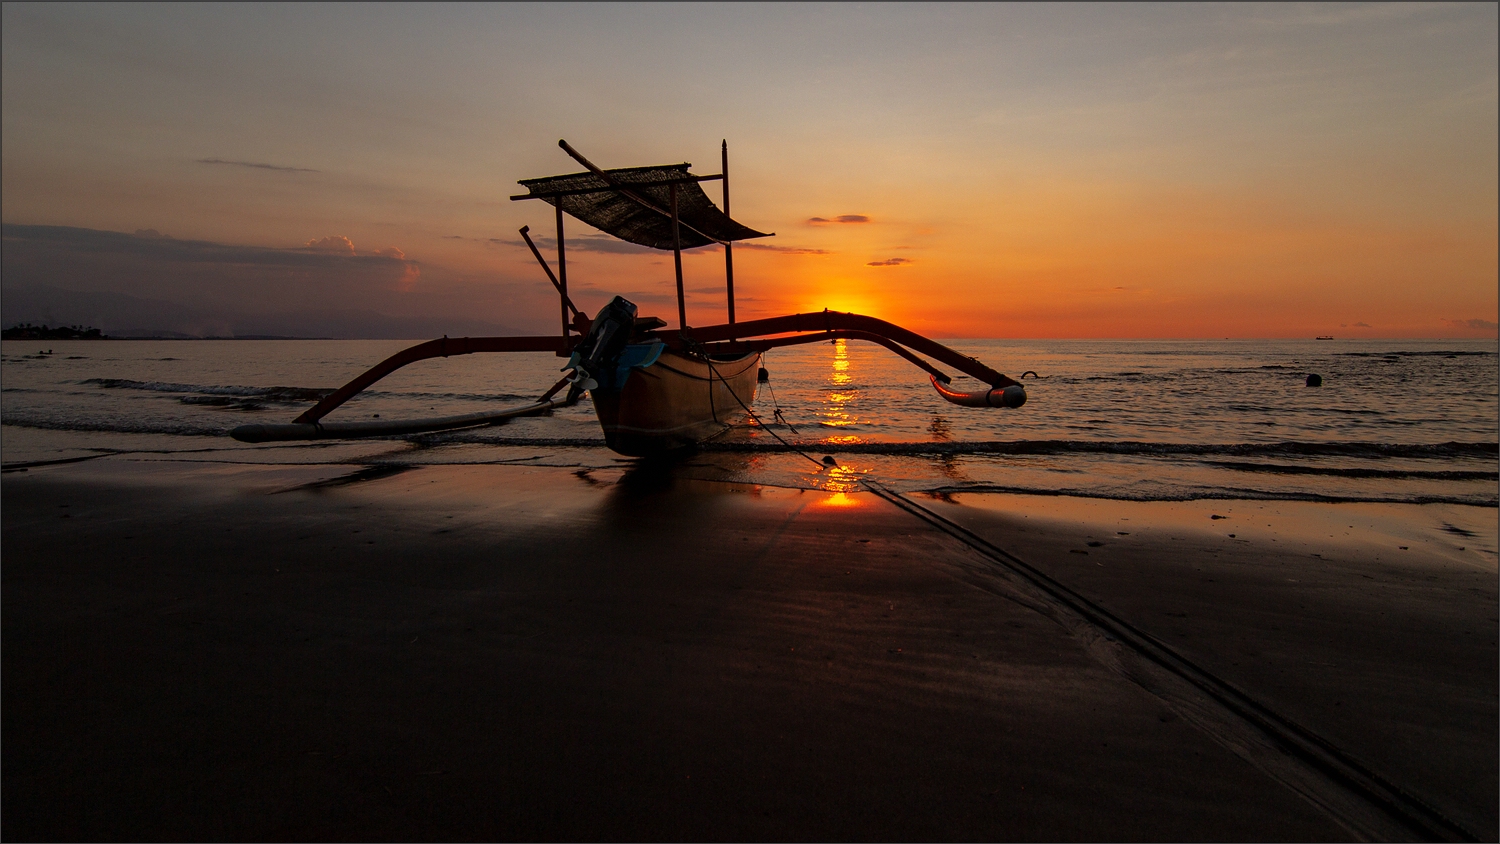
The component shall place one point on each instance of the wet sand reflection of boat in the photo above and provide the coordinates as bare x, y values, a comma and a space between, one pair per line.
653, 389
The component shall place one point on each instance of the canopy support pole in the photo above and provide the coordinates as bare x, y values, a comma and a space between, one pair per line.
562, 272
728, 247
677, 259
567, 303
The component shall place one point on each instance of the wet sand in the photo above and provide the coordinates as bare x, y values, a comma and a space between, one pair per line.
200, 651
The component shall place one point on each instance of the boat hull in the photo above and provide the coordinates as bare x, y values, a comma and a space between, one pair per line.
676, 402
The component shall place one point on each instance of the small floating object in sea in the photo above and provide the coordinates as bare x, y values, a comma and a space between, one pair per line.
1314, 380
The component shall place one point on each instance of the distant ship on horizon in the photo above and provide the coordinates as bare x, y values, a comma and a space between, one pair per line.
1324, 337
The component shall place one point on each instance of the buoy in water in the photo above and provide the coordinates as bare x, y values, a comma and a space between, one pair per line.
762, 376
1314, 380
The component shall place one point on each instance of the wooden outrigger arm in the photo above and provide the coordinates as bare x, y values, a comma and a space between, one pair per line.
443, 347
826, 321
738, 338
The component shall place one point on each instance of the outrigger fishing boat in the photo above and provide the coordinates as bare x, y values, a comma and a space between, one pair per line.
654, 390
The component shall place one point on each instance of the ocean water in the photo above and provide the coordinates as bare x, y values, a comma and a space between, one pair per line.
1395, 420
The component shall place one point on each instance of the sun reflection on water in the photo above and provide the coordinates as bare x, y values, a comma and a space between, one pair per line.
840, 375
835, 413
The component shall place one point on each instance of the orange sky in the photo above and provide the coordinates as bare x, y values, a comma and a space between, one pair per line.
1034, 171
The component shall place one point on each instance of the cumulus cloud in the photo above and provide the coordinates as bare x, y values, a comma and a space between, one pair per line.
255, 165
334, 243
889, 262
151, 233
390, 252
1363, 325
1473, 324
842, 218
409, 276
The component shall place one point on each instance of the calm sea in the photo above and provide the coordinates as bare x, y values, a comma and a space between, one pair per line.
1396, 421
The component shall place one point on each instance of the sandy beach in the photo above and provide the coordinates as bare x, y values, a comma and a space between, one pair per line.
226, 652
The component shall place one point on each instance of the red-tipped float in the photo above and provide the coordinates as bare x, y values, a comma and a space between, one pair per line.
1012, 396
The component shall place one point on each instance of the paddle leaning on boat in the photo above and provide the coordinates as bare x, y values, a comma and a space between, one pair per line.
653, 389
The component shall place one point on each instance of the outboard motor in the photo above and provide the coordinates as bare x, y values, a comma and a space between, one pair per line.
599, 353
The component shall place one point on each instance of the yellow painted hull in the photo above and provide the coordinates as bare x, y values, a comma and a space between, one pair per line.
677, 402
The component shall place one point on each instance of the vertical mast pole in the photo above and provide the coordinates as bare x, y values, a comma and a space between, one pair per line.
562, 271
677, 258
728, 247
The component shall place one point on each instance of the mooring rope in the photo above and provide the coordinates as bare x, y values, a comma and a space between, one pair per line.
815, 461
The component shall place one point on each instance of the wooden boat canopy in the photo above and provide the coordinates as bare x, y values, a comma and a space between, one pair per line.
660, 207
644, 219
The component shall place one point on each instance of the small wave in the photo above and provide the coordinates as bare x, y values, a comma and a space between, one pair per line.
1224, 494
1283, 469
285, 394
171, 429
469, 438
226, 402
1046, 447
502, 397
1134, 377
1446, 354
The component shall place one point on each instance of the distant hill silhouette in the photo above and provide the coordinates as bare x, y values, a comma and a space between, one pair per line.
132, 317
27, 331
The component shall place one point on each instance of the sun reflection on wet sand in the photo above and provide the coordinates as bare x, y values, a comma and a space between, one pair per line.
842, 479
843, 501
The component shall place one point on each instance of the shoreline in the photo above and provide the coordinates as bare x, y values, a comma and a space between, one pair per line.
1325, 473
530, 652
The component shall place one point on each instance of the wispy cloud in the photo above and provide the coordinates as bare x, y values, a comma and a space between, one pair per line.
889, 262
329, 251
581, 243
785, 250
842, 218
1474, 324
255, 165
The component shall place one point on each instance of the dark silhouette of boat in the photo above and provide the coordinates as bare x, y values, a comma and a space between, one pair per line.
653, 389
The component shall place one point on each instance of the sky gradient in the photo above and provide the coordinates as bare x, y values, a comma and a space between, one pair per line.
1002, 171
